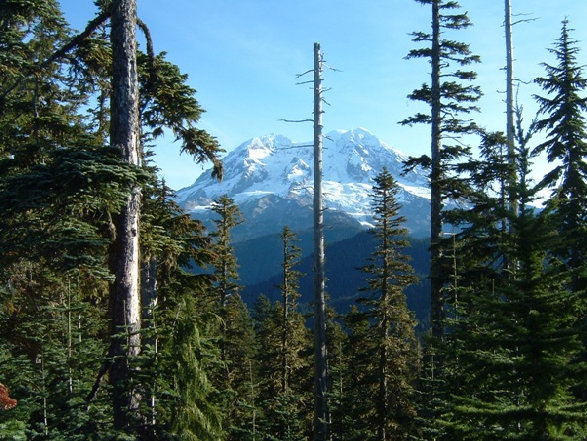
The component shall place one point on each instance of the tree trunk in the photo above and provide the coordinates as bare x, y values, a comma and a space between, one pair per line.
285, 318
124, 257
320, 363
383, 355
435, 180
149, 303
510, 127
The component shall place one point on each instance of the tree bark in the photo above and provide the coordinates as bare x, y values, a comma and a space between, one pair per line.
285, 318
124, 257
510, 128
435, 180
149, 299
320, 361
383, 355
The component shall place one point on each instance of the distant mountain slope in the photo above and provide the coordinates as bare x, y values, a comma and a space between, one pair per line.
260, 261
271, 177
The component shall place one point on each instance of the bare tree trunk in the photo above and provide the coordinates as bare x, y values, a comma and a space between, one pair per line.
435, 180
124, 257
320, 361
510, 128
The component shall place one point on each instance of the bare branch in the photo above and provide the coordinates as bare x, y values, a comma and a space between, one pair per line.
295, 120
527, 20
305, 73
305, 82
296, 147
333, 69
150, 51
75, 41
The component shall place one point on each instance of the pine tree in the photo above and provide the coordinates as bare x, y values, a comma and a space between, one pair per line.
124, 254
360, 416
61, 188
236, 334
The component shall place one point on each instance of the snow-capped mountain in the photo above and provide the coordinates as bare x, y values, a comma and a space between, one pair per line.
271, 177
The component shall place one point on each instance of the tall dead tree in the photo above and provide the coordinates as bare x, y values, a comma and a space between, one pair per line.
320, 357
510, 76
124, 258
510, 128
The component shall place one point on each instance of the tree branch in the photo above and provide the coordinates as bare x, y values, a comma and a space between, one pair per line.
305, 73
103, 369
75, 41
295, 120
150, 51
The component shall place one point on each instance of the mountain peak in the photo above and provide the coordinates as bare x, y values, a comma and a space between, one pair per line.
274, 166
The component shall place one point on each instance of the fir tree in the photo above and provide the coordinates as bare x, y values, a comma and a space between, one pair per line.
61, 189
512, 339
225, 264
393, 324
284, 346
564, 122
450, 101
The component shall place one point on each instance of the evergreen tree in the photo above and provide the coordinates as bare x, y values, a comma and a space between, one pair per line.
512, 339
392, 330
236, 334
361, 349
564, 122
450, 101
284, 346
225, 264
61, 189
179, 348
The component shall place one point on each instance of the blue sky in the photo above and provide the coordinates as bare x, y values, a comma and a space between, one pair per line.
242, 57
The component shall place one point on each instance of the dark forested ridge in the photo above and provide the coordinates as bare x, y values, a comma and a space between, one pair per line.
122, 318
344, 279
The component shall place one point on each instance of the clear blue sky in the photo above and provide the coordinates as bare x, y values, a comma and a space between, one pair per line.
242, 57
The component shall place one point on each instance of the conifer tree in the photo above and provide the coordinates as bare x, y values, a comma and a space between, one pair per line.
236, 334
563, 111
60, 189
451, 98
512, 338
393, 324
283, 343
361, 349
225, 265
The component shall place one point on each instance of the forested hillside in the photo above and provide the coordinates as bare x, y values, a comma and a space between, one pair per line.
122, 317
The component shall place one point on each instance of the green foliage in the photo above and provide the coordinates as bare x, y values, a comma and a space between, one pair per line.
563, 112
511, 364
283, 355
510, 358
60, 187
383, 338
